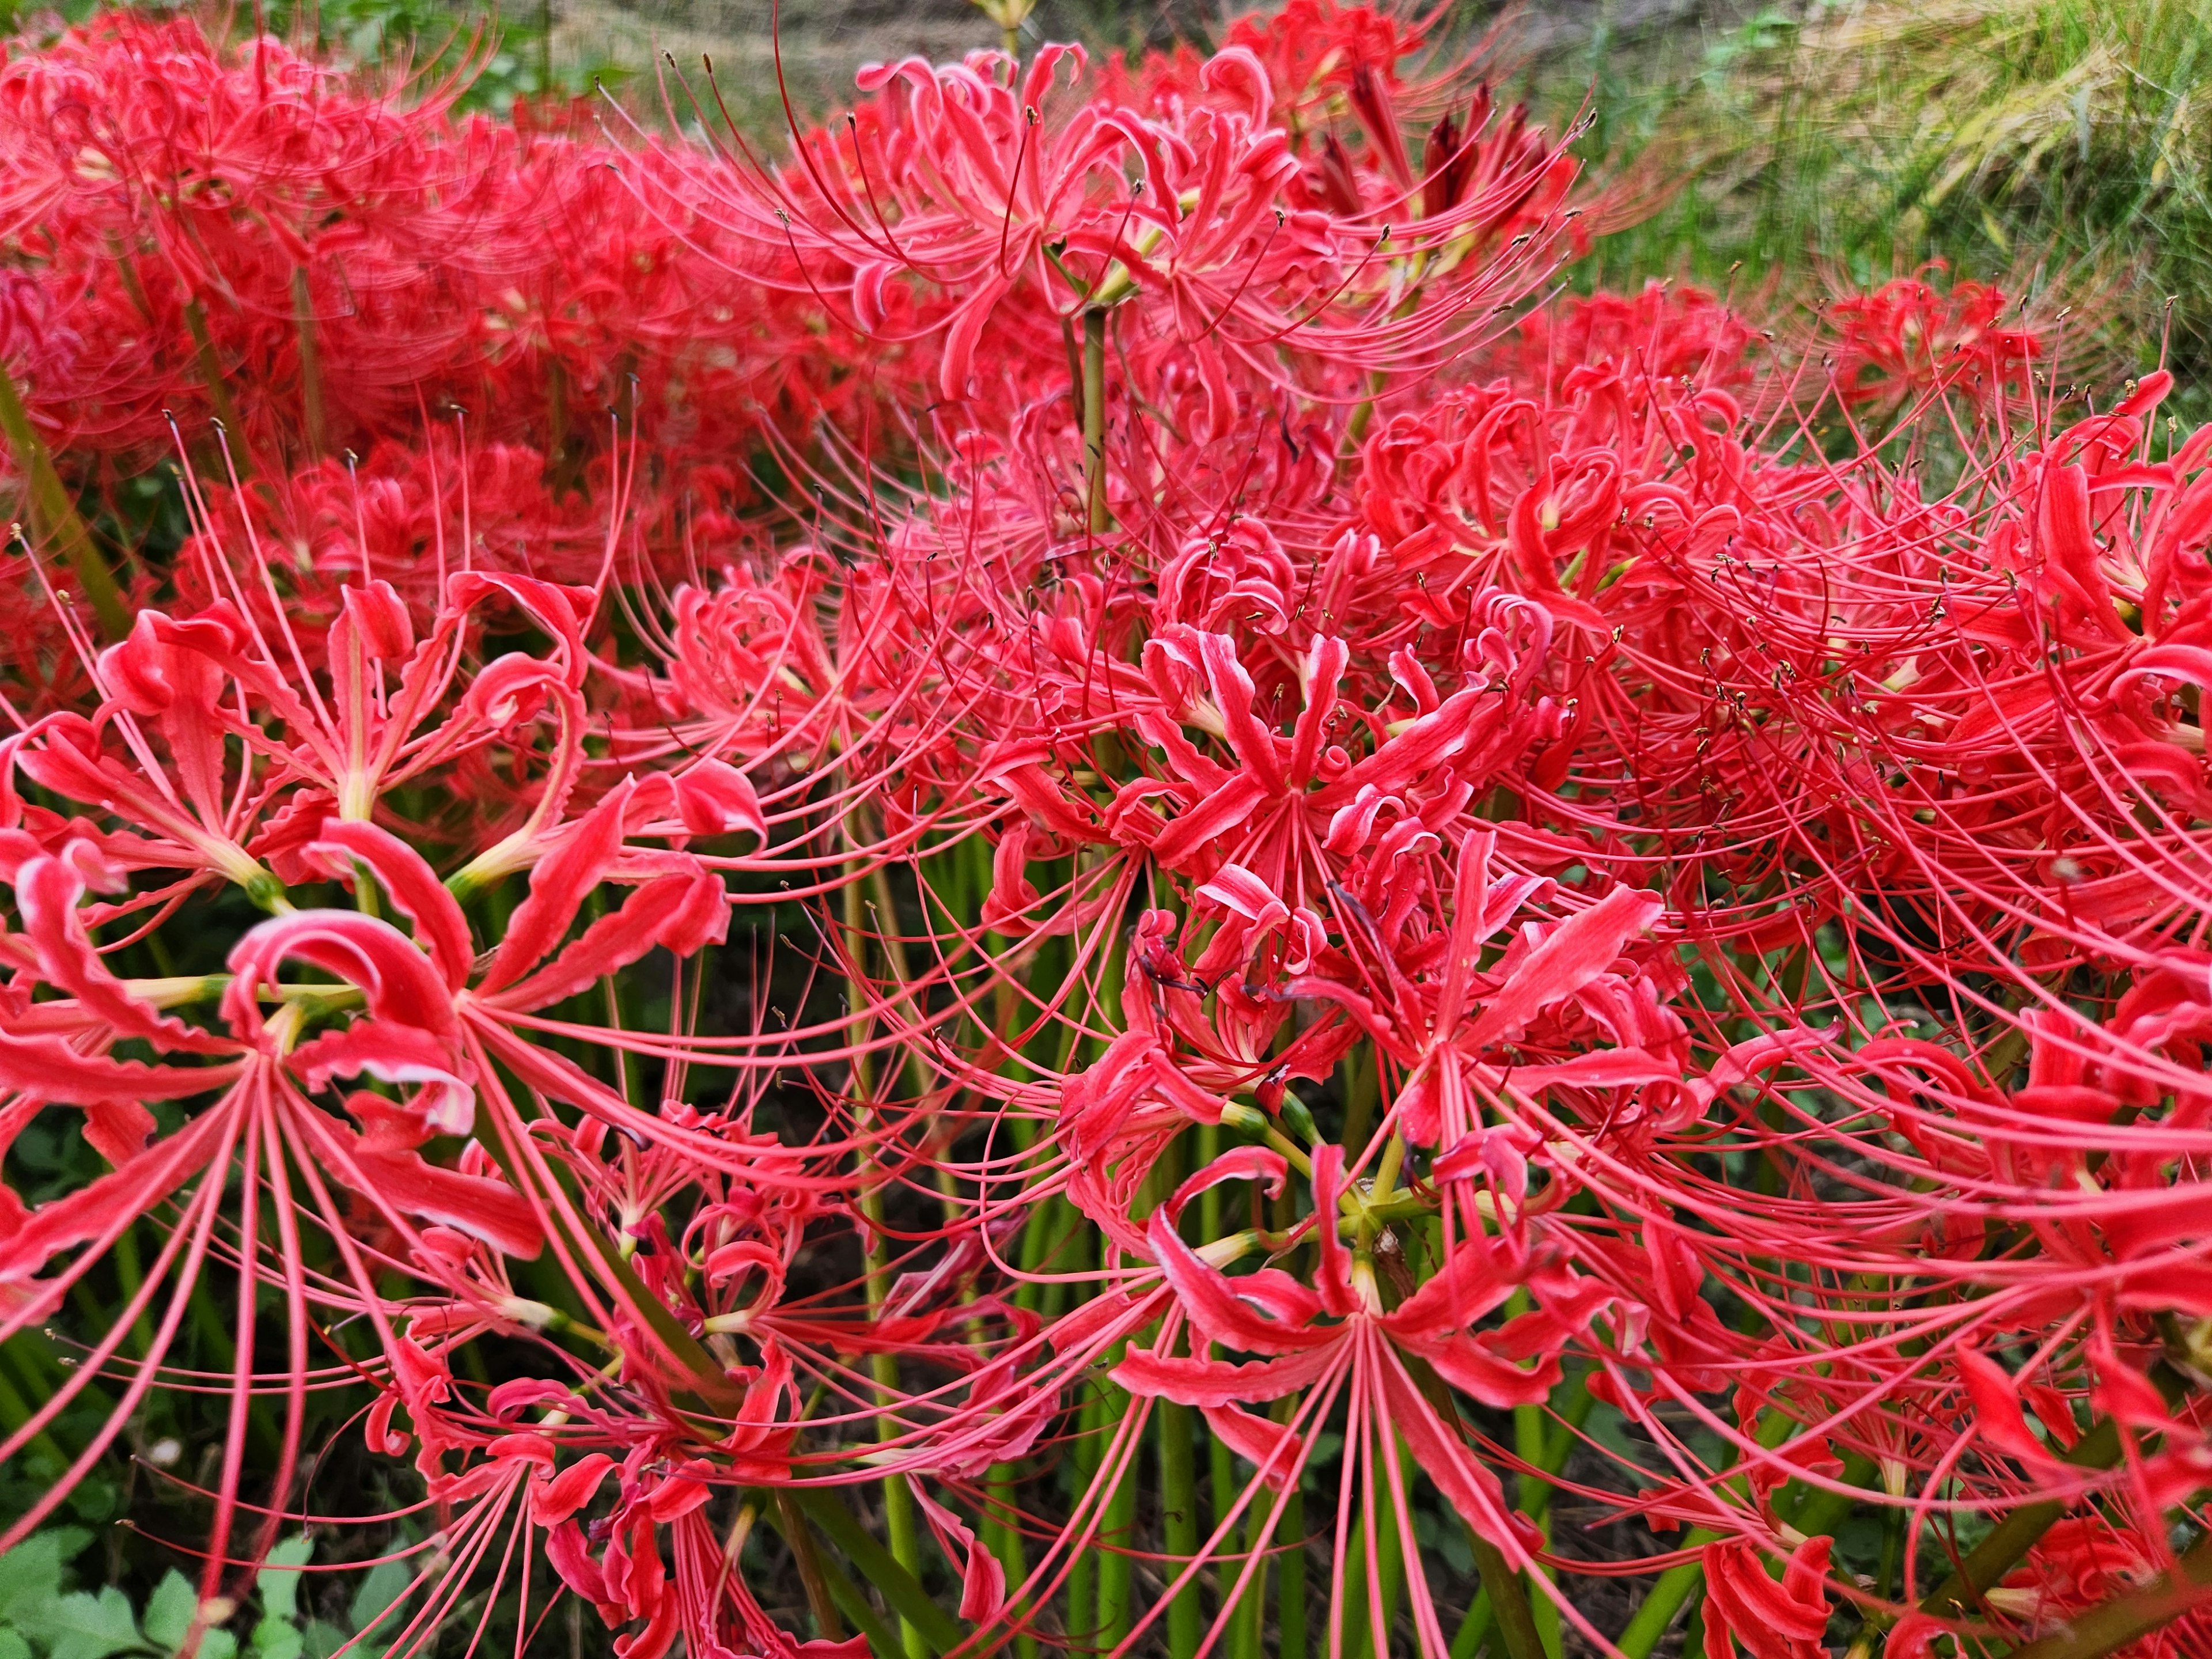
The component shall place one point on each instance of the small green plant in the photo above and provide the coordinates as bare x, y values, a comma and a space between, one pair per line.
43, 1616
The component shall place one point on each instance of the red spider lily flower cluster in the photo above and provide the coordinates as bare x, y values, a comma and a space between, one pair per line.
1316, 867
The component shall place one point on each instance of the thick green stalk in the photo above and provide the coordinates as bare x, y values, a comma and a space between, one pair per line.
54, 514
1677, 1585
970, 878
1088, 1597
1530, 1436
1246, 1625
1291, 1578
1573, 1409
1509, 1601
1004, 1533
1361, 1090
1094, 417
804, 1556
2008, 1542
1083, 1572
1116, 1532
1377, 383
1249, 1623
1508, 1596
311, 365
939, 1630
1355, 1608
1474, 1629
899, 1520
1390, 1571
2112, 1624
1073, 1254
1572, 1403
1664, 1599
1176, 1427
218, 394
1222, 1485
1819, 1511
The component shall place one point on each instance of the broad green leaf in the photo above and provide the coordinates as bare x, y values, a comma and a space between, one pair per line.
84, 1626
169, 1610
379, 1592
13, 1646
323, 1638
31, 1573
279, 1581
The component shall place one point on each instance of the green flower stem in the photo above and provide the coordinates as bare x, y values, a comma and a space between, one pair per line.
1509, 1601
55, 515
2113, 1624
1675, 1586
820, 1601
1507, 1595
1222, 1485
218, 393
1116, 1532
1474, 1629
899, 1522
937, 1629
1391, 1573
1290, 1566
1246, 1627
1176, 1427
2010, 1539
311, 366
1531, 1436
1573, 1409
1082, 1572
1094, 417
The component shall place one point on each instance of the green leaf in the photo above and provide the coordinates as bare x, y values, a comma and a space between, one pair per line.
278, 1581
323, 1639
380, 1592
169, 1610
84, 1626
13, 1646
31, 1573
169, 1613
277, 1638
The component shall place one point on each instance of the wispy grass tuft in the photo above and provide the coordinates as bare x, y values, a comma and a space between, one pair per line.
2061, 147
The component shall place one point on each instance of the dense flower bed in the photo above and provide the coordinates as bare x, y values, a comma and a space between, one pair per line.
927, 837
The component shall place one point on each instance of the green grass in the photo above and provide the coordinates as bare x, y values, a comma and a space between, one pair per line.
2061, 148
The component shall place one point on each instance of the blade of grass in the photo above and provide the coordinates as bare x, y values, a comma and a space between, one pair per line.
937, 1630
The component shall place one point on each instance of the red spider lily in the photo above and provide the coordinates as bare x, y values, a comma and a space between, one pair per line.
1645, 889
967, 186
239, 234
1908, 337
